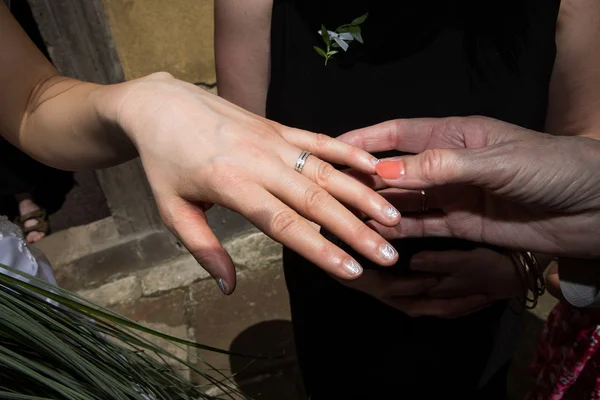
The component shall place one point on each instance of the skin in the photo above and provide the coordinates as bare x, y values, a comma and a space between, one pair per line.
242, 55
197, 150
494, 182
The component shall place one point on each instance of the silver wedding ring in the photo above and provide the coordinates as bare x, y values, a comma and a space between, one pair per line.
301, 161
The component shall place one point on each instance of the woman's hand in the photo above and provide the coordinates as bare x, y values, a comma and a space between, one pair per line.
489, 181
446, 284
197, 149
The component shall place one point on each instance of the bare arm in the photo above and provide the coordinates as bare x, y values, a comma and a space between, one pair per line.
56, 120
574, 105
197, 149
242, 51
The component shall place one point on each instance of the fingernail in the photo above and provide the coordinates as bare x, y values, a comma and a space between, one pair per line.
391, 212
390, 169
375, 160
387, 252
223, 285
352, 267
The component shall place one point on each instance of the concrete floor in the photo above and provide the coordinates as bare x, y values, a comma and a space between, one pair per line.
178, 297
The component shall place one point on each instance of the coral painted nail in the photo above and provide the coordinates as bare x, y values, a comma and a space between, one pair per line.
390, 169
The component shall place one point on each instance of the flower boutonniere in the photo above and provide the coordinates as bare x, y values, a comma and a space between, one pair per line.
340, 38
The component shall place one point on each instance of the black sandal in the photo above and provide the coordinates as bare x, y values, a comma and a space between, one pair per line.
41, 226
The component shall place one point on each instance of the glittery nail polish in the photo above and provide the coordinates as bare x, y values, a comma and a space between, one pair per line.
223, 285
387, 252
352, 267
391, 212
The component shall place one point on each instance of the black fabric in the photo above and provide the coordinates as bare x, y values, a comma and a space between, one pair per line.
427, 58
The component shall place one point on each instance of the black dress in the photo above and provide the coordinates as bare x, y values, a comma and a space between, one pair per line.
425, 58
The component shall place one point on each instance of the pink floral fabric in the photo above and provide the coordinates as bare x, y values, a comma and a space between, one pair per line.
567, 363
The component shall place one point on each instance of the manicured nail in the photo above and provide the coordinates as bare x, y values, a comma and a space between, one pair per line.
352, 267
391, 212
223, 285
390, 169
387, 252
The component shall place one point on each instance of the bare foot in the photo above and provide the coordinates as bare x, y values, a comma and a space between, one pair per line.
26, 206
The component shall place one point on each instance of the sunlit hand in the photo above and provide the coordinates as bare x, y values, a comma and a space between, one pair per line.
197, 149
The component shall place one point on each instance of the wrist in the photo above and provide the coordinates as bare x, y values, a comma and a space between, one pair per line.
132, 106
108, 101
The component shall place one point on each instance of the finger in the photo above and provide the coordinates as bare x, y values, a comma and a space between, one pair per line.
331, 150
416, 135
433, 167
373, 181
409, 285
439, 261
284, 225
316, 204
349, 191
408, 135
188, 222
407, 201
432, 224
381, 285
442, 308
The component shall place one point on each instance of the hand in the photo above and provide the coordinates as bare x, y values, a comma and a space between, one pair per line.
491, 182
466, 273
447, 284
197, 149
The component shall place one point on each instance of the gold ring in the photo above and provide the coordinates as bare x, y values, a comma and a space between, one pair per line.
424, 202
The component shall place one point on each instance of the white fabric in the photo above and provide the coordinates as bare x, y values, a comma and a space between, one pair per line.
17, 254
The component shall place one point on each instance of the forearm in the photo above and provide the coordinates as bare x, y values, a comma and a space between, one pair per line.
574, 97
60, 121
72, 125
242, 52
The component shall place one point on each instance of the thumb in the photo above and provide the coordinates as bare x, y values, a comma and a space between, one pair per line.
434, 167
188, 222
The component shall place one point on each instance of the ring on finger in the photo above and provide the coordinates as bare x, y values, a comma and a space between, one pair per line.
301, 161
424, 207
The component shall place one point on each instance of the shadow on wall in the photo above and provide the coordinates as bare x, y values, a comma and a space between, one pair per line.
275, 379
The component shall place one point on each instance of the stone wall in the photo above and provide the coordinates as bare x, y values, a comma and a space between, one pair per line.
157, 35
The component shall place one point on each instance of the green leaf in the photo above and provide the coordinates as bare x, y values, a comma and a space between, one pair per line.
360, 20
332, 52
77, 350
320, 51
325, 35
357, 36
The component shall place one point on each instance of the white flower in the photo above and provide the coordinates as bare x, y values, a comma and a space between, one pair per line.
342, 39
